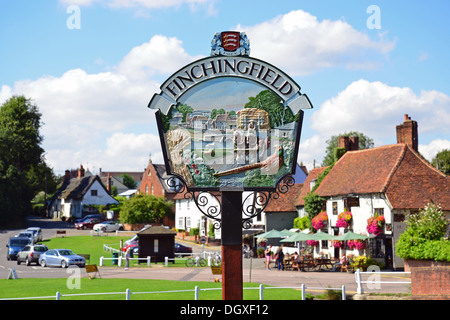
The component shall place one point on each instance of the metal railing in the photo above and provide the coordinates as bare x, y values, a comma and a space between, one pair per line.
360, 282
196, 291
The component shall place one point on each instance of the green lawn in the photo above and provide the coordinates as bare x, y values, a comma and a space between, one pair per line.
94, 246
87, 245
27, 288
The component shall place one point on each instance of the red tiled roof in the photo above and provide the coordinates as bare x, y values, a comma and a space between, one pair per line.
363, 171
415, 183
286, 201
396, 170
313, 174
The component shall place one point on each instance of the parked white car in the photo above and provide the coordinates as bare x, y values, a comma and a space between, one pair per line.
108, 226
37, 233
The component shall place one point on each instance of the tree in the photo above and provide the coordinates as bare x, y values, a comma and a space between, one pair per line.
185, 109
144, 209
268, 101
442, 161
364, 143
313, 204
128, 181
23, 171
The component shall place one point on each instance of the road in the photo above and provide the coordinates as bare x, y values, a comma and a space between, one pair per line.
253, 269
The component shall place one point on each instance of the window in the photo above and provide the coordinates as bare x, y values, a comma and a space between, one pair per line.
94, 193
335, 208
379, 211
180, 223
188, 222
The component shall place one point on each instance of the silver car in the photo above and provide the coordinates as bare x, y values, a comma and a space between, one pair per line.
61, 258
37, 233
31, 253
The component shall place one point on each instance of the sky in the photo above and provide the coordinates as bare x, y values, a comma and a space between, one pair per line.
92, 66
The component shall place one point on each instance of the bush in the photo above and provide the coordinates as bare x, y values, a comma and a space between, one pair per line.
423, 238
363, 262
144, 209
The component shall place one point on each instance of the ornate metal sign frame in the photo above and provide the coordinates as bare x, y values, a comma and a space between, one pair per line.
230, 62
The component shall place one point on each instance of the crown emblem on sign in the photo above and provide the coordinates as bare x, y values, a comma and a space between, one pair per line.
230, 43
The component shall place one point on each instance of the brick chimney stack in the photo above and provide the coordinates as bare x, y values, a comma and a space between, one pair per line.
80, 172
407, 133
67, 175
348, 143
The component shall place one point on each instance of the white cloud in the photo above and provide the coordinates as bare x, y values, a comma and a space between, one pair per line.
374, 108
81, 111
430, 150
307, 45
311, 151
161, 55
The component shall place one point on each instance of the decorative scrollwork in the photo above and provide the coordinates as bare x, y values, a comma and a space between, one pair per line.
210, 205
261, 199
175, 184
253, 205
284, 185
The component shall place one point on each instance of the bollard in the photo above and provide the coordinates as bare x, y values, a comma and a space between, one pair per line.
197, 291
303, 292
261, 292
148, 261
127, 294
58, 295
101, 261
359, 288
120, 260
166, 261
343, 293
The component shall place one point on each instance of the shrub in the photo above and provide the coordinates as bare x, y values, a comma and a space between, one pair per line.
423, 238
363, 262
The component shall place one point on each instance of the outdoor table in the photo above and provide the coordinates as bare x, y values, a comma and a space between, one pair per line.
324, 262
287, 263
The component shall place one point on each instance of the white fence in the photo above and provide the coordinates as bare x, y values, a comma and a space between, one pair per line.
196, 291
374, 276
209, 256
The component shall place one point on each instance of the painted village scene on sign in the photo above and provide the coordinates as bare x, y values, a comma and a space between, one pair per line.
230, 121
220, 137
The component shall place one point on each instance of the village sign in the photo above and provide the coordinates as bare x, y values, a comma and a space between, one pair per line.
230, 121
